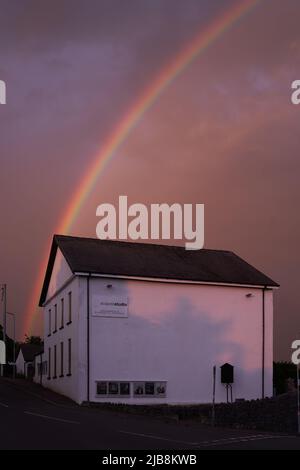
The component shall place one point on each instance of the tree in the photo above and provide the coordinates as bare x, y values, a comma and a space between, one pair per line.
282, 371
33, 340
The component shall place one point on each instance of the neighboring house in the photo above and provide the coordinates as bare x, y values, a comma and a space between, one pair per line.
143, 323
25, 359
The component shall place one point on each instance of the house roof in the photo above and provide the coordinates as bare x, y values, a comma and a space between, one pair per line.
107, 257
29, 351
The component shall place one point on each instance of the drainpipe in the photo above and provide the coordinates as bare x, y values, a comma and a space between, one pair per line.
263, 345
88, 337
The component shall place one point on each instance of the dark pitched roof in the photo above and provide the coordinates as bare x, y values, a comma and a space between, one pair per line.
94, 256
30, 351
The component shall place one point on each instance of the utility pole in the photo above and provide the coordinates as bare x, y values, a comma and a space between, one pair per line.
3, 298
4, 311
213, 416
14, 350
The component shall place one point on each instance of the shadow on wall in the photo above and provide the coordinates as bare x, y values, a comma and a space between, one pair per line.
168, 341
186, 329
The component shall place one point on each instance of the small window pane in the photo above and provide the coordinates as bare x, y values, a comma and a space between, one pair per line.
101, 388
139, 388
149, 388
160, 389
113, 388
124, 388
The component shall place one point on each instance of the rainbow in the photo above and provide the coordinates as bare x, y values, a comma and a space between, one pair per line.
129, 121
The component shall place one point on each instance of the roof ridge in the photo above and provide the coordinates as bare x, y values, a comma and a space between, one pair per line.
130, 242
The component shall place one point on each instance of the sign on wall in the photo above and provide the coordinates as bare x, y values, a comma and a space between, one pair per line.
109, 306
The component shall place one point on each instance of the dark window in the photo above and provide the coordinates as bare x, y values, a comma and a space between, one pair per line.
113, 388
124, 388
70, 307
49, 362
69, 356
49, 322
55, 359
101, 388
157, 389
55, 318
139, 388
149, 388
62, 313
160, 389
61, 359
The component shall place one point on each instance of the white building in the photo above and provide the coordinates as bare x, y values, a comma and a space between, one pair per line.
25, 361
144, 323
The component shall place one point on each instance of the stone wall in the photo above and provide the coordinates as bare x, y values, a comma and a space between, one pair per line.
278, 414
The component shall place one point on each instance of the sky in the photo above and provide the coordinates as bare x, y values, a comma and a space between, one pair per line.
223, 133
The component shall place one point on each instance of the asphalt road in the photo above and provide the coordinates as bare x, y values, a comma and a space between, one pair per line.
29, 422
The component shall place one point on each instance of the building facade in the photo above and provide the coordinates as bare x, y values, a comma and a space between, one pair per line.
143, 324
25, 362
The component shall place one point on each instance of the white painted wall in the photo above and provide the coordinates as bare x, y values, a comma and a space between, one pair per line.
68, 384
61, 273
173, 332
176, 333
20, 363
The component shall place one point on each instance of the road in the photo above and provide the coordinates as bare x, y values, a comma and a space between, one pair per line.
29, 422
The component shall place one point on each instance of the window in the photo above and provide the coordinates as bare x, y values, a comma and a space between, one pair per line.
62, 313
69, 357
55, 359
148, 389
61, 359
70, 307
140, 389
101, 388
49, 322
55, 318
42, 368
113, 388
124, 388
49, 363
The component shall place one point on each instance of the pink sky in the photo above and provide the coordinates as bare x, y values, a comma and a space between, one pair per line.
224, 133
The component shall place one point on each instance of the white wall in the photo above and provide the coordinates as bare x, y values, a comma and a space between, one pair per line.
68, 384
61, 273
173, 333
176, 333
20, 363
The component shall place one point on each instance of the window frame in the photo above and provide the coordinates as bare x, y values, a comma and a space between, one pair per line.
49, 364
61, 359
62, 313
55, 318
69, 357
49, 322
55, 362
69, 308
